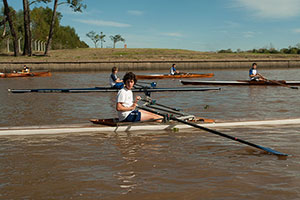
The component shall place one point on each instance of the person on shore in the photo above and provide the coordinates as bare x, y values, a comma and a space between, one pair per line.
126, 107
114, 81
173, 70
25, 69
254, 75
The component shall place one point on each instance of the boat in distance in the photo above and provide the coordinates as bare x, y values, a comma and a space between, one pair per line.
109, 89
30, 74
182, 75
241, 82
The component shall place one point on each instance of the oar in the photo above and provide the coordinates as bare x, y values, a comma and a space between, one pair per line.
269, 150
153, 102
282, 84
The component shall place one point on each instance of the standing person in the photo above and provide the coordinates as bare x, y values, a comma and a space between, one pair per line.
25, 69
254, 75
126, 107
173, 70
114, 81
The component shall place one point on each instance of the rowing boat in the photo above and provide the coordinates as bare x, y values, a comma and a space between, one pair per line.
241, 82
31, 74
115, 122
109, 89
133, 127
183, 75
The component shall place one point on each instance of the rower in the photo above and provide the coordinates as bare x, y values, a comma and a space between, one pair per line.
254, 75
173, 70
114, 81
126, 107
25, 69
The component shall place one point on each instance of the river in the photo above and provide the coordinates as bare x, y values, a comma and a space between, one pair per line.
189, 164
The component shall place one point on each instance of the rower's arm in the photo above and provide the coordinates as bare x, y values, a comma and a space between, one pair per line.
120, 107
119, 80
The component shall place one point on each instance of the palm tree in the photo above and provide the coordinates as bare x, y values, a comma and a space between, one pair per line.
94, 37
117, 38
102, 39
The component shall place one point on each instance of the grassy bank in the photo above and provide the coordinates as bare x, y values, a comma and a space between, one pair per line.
91, 54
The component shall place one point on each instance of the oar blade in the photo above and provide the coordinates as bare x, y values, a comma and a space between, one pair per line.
272, 151
269, 150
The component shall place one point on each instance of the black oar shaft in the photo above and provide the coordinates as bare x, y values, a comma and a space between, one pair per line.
166, 110
176, 109
282, 84
168, 107
219, 133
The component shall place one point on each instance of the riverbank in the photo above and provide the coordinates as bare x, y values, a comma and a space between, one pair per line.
144, 59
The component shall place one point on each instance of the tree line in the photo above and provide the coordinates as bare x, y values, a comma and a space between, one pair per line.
100, 38
40, 23
271, 50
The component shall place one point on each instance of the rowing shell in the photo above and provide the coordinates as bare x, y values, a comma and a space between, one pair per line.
31, 74
109, 89
185, 75
115, 122
241, 82
141, 127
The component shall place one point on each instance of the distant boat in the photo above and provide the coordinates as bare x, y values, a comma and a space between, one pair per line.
182, 75
109, 89
241, 82
30, 74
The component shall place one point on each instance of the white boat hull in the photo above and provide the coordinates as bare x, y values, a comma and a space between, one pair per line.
86, 128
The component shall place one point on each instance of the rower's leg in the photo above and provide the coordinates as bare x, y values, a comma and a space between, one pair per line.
145, 115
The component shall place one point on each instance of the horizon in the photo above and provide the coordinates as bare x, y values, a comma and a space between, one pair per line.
193, 25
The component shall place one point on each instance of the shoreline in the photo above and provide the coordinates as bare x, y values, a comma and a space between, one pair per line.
98, 59
142, 65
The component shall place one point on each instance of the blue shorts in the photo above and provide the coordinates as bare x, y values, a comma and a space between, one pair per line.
118, 85
134, 116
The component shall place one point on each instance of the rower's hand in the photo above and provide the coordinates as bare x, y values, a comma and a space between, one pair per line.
137, 99
135, 102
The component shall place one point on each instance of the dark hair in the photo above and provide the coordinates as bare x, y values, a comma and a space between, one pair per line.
173, 65
114, 69
129, 76
254, 64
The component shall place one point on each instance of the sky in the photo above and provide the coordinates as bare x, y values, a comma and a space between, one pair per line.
201, 25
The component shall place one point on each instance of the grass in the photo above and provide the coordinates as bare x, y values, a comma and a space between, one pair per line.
129, 54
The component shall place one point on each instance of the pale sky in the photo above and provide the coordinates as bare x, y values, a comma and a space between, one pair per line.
202, 25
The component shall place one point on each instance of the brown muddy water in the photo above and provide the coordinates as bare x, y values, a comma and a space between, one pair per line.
189, 164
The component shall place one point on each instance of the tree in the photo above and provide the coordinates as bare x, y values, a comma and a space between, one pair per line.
27, 27
3, 23
117, 38
102, 39
65, 37
40, 22
94, 37
8, 15
75, 5
27, 35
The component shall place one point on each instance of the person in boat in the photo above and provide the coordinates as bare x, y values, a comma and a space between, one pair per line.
114, 81
173, 70
126, 106
25, 69
254, 75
